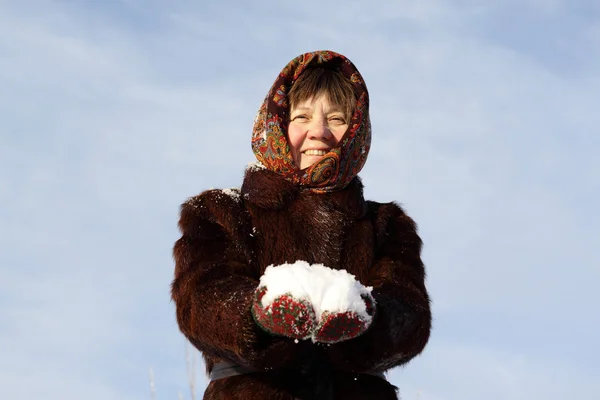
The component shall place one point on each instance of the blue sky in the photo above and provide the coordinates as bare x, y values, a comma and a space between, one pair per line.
485, 128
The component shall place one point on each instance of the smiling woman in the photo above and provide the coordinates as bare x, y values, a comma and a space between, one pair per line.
259, 276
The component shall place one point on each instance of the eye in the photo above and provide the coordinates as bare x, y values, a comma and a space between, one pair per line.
300, 117
337, 119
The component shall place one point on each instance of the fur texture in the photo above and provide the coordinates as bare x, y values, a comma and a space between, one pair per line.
228, 241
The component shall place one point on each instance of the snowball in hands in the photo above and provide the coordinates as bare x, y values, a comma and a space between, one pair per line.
329, 291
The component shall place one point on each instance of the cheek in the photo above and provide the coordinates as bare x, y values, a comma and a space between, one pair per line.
338, 133
295, 138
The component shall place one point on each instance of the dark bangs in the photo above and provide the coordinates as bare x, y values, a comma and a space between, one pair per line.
317, 81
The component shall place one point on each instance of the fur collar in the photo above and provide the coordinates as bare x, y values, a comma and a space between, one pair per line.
269, 190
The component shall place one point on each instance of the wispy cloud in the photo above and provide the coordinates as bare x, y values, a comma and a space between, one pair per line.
456, 371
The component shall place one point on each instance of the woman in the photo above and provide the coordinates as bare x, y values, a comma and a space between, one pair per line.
302, 201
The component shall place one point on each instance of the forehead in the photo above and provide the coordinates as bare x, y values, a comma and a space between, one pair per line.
322, 100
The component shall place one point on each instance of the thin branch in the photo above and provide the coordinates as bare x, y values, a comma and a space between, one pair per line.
152, 387
190, 358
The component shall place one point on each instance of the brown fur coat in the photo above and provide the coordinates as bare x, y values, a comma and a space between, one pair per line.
230, 237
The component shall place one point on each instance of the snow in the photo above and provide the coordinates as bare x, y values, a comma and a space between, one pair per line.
255, 166
234, 193
327, 289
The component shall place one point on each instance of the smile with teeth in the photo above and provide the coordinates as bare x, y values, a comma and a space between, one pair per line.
315, 152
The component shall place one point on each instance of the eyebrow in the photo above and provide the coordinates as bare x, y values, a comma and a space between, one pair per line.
331, 111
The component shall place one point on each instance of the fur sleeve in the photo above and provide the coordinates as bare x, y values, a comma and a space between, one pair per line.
215, 281
402, 325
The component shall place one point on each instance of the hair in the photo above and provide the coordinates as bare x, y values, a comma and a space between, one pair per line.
317, 81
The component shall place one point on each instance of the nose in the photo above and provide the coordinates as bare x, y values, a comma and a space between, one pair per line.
319, 130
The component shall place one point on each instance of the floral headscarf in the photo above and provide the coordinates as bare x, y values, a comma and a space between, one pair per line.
269, 139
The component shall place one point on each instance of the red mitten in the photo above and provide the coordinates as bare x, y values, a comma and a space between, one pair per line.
285, 316
335, 327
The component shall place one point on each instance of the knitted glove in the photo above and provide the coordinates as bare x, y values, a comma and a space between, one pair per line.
335, 327
285, 316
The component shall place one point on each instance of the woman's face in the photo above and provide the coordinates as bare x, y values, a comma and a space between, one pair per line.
315, 128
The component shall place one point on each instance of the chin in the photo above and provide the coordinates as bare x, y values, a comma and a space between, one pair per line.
308, 163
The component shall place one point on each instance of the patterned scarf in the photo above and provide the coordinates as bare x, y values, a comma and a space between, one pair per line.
269, 139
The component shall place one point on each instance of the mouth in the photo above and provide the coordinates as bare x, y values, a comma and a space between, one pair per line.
319, 153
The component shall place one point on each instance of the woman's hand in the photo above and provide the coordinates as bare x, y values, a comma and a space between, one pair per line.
284, 316
336, 327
